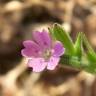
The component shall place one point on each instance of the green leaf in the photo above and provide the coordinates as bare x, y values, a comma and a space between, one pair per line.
64, 37
91, 53
91, 68
78, 45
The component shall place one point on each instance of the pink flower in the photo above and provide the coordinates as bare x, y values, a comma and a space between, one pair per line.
41, 51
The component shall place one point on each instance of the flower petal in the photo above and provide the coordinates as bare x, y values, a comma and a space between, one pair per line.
46, 39
37, 64
37, 37
58, 49
42, 38
53, 62
29, 43
31, 49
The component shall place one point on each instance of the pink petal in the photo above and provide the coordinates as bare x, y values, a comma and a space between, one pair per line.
58, 49
37, 64
46, 39
42, 38
53, 62
31, 49
37, 37
29, 44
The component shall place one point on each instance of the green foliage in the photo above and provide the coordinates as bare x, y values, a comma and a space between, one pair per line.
75, 54
78, 45
90, 52
60, 34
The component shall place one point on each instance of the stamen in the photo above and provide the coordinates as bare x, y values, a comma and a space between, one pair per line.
47, 54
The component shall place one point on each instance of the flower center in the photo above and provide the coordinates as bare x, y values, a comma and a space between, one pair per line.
47, 54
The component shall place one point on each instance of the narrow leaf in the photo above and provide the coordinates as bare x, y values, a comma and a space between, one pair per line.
91, 53
64, 37
78, 45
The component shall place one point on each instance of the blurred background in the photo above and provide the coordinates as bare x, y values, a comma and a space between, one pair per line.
18, 18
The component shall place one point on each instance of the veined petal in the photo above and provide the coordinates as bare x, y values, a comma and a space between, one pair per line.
46, 39
29, 53
42, 38
29, 44
31, 49
58, 49
53, 62
38, 64
37, 37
